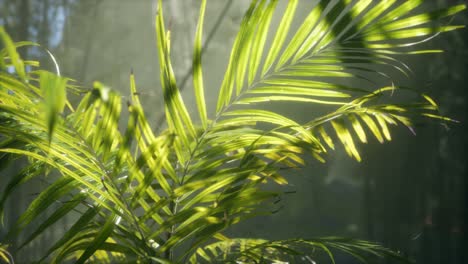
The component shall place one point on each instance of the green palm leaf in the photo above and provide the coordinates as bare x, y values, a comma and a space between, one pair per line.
197, 69
264, 251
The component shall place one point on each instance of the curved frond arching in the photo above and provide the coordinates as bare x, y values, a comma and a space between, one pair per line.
287, 251
337, 41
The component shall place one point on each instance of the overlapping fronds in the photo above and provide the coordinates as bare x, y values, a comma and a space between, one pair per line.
140, 196
339, 40
288, 251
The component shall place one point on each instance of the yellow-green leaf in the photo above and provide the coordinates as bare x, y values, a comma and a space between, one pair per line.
53, 90
197, 68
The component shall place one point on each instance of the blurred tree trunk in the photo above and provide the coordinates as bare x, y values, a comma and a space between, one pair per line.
94, 8
368, 207
44, 30
464, 204
24, 17
20, 33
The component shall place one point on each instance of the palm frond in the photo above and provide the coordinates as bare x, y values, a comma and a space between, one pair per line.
286, 251
197, 69
337, 41
5, 256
